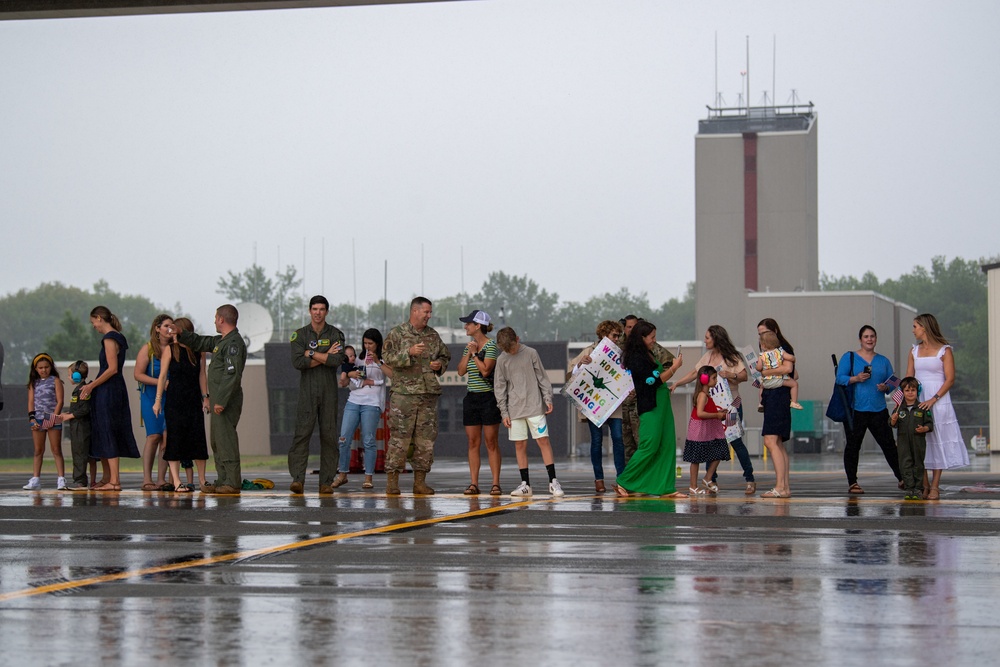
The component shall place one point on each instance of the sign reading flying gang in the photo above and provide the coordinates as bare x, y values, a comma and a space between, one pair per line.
598, 388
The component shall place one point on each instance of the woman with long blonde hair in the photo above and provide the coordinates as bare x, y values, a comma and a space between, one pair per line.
933, 364
147, 371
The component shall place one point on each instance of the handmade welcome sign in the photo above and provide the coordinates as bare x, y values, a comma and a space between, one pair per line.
598, 388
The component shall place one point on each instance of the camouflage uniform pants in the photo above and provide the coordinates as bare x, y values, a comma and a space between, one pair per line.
630, 427
412, 418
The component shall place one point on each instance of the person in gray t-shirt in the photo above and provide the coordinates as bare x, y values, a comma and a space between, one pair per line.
524, 396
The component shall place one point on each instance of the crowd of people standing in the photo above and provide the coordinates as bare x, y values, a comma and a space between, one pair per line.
398, 378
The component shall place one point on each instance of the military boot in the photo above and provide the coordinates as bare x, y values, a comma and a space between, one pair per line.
420, 487
391, 483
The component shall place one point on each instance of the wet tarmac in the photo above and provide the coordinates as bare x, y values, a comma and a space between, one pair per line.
271, 578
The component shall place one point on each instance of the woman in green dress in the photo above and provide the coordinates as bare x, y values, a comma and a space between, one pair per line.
651, 468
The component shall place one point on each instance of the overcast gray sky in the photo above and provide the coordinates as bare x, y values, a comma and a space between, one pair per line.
540, 136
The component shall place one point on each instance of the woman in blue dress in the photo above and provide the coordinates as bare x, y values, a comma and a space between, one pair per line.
111, 419
147, 373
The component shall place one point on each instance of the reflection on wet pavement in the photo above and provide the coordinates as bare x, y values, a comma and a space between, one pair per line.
445, 580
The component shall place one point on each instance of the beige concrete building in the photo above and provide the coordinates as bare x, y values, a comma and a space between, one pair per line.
992, 272
254, 428
756, 230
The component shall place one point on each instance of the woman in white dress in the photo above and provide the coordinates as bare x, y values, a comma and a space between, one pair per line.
933, 364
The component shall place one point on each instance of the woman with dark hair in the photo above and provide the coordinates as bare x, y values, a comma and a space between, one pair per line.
867, 371
722, 355
933, 364
651, 468
480, 414
111, 419
365, 405
777, 404
183, 390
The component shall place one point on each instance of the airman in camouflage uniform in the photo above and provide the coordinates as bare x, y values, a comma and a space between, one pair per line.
317, 351
225, 391
630, 411
417, 356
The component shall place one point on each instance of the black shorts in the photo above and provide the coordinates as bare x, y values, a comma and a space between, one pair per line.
479, 408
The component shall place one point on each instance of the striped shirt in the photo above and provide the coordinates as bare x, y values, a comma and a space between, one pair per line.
478, 384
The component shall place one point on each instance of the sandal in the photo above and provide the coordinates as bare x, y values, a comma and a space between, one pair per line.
166, 487
339, 480
709, 485
696, 492
149, 486
675, 494
108, 487
621, 491
774, 493
471, 490
183, 488
496, 490
856, 489
367, 484
934, 494
751, 488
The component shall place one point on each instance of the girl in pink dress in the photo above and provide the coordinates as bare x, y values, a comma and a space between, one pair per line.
706, 436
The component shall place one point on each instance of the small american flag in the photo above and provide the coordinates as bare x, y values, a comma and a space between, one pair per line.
897, 396
737, 402
47, 420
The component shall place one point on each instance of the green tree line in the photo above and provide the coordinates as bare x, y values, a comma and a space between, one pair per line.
955, 293
55, 318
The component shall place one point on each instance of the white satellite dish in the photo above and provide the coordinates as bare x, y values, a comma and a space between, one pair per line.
256, 325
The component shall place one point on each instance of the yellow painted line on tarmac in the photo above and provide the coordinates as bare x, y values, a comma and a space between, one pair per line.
266, 551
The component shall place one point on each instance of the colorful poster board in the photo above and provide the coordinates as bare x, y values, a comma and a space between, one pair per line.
598, 388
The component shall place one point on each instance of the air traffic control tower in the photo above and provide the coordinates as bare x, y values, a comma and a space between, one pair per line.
755, 209
756, 247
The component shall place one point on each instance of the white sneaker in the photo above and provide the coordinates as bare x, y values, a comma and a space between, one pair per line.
555, 488
523, 490
33, 484
61, 484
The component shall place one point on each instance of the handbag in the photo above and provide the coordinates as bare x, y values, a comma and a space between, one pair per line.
841, 405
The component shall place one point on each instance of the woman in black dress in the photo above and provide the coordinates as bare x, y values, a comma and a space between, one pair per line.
778, 414
111, 419
183, 390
